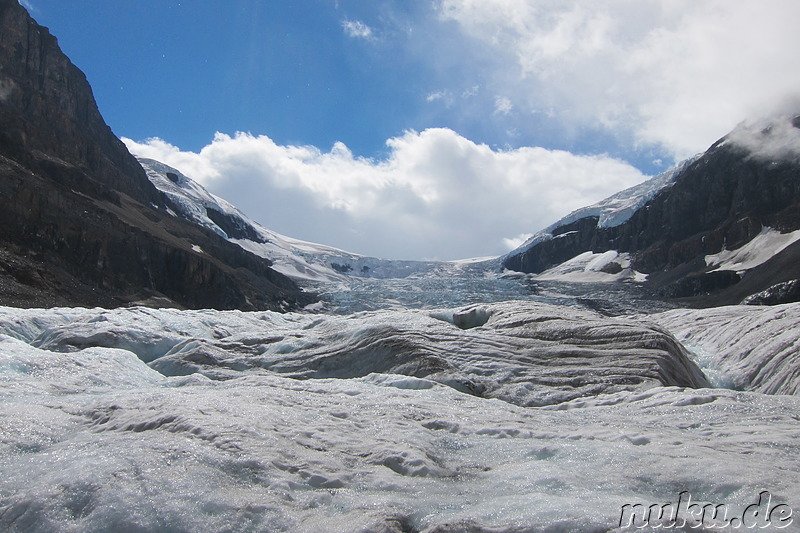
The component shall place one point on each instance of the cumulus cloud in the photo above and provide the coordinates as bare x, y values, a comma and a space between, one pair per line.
357, 29
435, 195
674, 73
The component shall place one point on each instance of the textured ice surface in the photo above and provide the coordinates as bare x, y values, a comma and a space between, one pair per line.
757, 348
526, 353
325, 423
136, 451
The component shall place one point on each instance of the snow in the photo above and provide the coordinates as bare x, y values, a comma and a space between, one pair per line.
759, 250
587, 267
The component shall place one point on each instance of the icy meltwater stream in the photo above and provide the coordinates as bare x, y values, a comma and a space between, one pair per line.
446, 413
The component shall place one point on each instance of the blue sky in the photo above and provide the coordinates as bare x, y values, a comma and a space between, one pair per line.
426, 128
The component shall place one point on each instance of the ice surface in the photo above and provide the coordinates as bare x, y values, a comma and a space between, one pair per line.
757, 348
366, 423
526, 353
144, 452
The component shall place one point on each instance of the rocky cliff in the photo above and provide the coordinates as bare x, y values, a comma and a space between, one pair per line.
719, 202
81, 223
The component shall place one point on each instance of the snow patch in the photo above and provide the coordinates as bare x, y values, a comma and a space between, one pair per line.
590, 267
759, 250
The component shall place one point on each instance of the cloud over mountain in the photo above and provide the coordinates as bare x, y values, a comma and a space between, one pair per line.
435, 194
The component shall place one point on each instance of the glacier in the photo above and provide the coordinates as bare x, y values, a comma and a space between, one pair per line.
146, 419
413, 397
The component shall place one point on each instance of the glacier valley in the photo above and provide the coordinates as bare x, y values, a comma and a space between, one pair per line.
432, 404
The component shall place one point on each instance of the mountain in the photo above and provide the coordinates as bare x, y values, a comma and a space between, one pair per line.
718, 228
81, 223
300, 260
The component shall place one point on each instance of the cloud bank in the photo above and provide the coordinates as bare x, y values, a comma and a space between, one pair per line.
677, 74
436, 195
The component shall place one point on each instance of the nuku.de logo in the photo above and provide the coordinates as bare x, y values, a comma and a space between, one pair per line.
684, 514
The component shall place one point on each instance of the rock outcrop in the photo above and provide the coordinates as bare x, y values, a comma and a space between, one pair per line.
81, 223
720, 201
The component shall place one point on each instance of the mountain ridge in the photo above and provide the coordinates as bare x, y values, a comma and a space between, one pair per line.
719, 201
82, 225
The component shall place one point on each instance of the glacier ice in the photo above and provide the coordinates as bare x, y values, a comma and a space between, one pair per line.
758, 347
164, 420
526, 353
378, 453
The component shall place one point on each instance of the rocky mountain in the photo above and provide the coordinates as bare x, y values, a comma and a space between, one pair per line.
719, 228
298, 259
81, 223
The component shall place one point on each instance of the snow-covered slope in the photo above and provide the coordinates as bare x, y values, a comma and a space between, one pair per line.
296, 258
94, 439
758, 251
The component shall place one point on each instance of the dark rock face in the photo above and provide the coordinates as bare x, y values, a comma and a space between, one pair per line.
234, 227
780, 293
81, 223
721, 201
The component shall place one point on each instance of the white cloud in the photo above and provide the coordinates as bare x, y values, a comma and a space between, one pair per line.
436, 194
675, 73
357, 29
502, 105
439, 95
512, 243
775, 138
470, 91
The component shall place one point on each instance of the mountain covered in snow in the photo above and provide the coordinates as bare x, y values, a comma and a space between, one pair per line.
717, 229
301, 260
